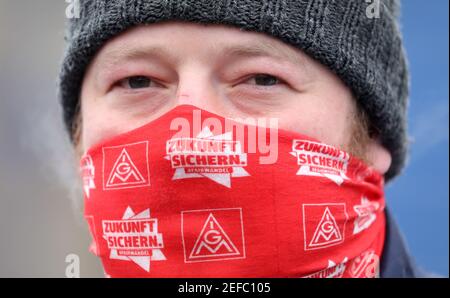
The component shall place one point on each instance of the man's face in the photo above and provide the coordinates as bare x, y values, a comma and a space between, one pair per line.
145, 72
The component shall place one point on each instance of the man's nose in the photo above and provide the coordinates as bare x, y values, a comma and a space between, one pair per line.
186, 98
197, 86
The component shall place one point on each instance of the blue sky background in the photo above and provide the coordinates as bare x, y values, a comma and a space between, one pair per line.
419, 198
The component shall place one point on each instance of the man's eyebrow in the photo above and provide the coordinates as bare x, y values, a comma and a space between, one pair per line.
118, 56
244, 50
262, 49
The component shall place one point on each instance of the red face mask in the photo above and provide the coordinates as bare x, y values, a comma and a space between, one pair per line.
192, 194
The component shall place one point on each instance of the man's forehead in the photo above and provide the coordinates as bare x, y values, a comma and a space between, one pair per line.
225, 43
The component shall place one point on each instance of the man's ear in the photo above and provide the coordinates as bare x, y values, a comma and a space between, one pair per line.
379, 157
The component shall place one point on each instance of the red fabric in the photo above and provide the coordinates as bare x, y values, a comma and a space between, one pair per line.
155, 210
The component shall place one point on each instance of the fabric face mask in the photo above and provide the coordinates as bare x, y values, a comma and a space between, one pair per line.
191, 195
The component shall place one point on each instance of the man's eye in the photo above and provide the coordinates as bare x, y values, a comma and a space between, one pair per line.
136, 82
264, 80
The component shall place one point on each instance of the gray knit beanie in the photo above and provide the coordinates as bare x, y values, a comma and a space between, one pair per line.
364, 50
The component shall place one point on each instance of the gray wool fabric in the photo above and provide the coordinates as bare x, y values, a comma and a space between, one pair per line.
366, 53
